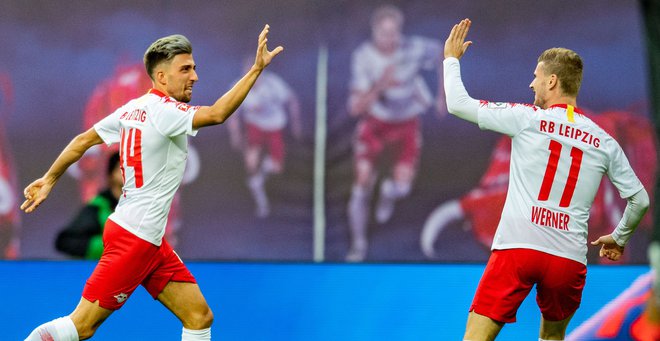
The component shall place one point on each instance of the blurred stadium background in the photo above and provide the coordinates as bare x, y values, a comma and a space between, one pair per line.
63, 65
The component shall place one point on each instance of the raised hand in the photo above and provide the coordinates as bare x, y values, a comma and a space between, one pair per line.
455, 45
264, 57
35, 193
609, 248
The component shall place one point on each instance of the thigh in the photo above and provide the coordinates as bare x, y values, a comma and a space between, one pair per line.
368, 142
408, 143
276, 147
126, 261
559, 291
170, 269
255, 136
502, 288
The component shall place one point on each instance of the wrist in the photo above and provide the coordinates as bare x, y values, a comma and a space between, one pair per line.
257, 69
618, 239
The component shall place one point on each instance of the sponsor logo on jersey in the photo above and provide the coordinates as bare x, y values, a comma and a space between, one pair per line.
182, 106
497, 105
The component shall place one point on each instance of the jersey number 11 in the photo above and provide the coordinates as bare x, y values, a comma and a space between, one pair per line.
551, 169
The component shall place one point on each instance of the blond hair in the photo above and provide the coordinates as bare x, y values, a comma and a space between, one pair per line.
567, 65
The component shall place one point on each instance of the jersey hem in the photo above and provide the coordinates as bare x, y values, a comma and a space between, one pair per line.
142, 236
582, 260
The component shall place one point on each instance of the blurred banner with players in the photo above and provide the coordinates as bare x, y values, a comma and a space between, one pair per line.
402, 180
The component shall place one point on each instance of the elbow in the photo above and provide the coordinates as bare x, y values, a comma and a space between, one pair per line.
640, 201
219, 117
82, 142
453, 108
644, 201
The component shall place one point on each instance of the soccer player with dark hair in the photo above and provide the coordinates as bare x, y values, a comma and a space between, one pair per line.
152, 132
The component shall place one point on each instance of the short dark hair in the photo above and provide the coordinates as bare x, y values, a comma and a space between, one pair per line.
112, 162
567, 65
164, 50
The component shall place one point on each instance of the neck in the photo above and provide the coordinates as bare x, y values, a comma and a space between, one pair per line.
561, 100
160, 88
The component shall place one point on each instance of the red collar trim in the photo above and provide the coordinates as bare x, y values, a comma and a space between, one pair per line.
576, 109
157, 93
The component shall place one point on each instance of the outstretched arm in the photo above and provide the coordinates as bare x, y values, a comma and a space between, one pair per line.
36, 192
229, 102
613, 244
459, 103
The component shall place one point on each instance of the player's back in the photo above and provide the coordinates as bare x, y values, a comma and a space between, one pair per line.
558, 158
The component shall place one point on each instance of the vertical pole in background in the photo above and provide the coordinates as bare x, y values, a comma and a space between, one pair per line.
319, 153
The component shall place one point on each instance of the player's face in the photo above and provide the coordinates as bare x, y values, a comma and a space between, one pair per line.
538, 85
387, 35
180, 76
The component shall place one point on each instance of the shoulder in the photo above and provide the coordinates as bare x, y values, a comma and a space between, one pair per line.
168, 104
510, 106
364, 50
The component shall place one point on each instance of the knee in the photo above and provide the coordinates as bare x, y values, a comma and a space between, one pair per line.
85, 330
199, 319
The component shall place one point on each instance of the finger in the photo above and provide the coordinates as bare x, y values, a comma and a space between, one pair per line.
28, 206
465, 28
452, 33
460, 31
276, 51
595, 242
25, 204
261, 48
264, 32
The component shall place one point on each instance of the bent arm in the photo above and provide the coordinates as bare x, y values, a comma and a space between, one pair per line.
459, 103
636, 207
38, 191
360, 101
72, 153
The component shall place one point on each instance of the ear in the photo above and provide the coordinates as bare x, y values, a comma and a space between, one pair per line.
159, 76
553, 82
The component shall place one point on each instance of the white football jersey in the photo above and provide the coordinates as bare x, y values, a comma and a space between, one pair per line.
153, 146
266, 104
558, 157
409, 96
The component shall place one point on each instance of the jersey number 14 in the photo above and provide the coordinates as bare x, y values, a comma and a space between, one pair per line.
551, 169
131, 153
